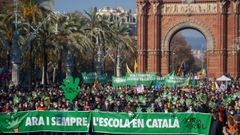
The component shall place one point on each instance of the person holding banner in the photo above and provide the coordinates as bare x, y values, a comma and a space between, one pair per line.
42, 107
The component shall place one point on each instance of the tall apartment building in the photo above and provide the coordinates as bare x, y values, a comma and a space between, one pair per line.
122, 15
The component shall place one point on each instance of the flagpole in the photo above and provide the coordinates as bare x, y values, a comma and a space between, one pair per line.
118, 65
202, 56
173, 61
16, 14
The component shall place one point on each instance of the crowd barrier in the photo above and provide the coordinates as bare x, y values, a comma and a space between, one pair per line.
105, 122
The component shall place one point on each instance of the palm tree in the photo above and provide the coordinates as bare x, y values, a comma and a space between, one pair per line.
29, 15
10, 36
120, 39
5, 39
111, 34
32, 14
70, 36
97, 27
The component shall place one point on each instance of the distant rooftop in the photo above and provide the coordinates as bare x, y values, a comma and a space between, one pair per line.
118, 11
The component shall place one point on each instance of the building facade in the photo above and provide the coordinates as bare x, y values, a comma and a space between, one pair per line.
122, 15
218, 20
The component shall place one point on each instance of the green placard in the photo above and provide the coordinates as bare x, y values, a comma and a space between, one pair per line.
70, 88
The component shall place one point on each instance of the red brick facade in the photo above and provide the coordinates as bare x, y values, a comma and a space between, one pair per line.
217, 20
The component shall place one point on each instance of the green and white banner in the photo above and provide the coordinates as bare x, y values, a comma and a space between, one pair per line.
151, 123
119, 81
171, 80
134, 79
53, 121
93, 76
138, 78
105, 122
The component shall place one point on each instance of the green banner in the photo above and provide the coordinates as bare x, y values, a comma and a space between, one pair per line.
171, 80
134, 79
138, 78
103, 78
89, 77
105, 122
118, 81
92, 77
36, 121
151, 123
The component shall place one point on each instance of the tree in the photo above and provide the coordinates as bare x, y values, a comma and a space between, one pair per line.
21, 33
32, 14
5, 39
111, 34
66, 38
97, 27
181, 53
121, 40
70, 36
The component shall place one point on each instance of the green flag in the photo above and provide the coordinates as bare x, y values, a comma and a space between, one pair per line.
129, 99
142, 99
16, 100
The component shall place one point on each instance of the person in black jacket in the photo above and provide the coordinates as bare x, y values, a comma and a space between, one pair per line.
216, 125
106, 106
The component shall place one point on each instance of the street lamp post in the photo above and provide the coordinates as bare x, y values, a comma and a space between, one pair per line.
99, 61
173, 53
16, 51
118, 65
68, 63
100, 57
118, 61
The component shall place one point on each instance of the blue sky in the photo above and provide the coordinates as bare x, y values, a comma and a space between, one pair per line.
81, 5
191, 33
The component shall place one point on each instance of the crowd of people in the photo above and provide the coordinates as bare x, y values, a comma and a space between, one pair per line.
224, 104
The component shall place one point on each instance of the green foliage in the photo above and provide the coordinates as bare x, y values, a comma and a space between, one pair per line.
75, 32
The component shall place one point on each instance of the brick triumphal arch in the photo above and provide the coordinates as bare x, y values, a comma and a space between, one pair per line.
217, 20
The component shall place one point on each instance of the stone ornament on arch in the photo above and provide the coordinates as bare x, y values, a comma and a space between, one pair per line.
188, 23
141, 7
223, 6
155, 8
236, 4
155, 4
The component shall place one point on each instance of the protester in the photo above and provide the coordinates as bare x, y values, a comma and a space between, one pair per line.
224, 105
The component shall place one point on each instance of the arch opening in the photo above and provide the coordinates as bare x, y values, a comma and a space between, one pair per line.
188, 48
